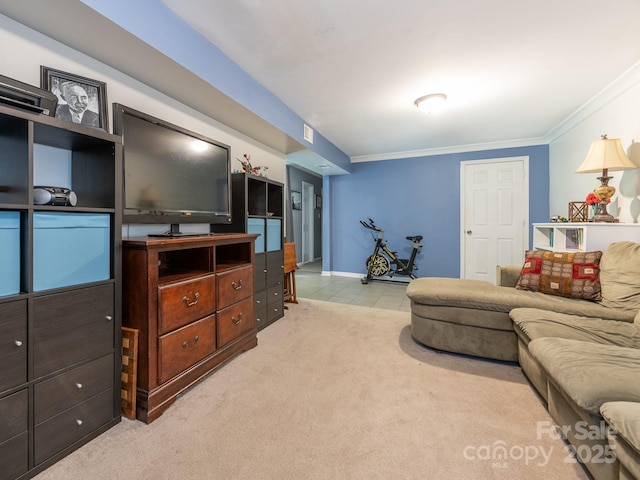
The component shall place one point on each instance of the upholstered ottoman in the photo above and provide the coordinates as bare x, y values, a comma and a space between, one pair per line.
462, 316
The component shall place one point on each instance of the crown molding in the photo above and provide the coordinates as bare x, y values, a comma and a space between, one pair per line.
476, 147
620, 85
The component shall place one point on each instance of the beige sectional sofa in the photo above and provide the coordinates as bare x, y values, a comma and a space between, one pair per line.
624, 418
581, 356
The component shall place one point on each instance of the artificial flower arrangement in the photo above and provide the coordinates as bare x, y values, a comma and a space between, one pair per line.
248, 168
595, 201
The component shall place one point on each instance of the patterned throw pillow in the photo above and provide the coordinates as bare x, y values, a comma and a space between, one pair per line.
566, 274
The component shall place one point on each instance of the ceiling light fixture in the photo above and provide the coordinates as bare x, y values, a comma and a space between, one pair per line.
431, 103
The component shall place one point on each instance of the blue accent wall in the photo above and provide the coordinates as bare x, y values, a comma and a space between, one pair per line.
416, 196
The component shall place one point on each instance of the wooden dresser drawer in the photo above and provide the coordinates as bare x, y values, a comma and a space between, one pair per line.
182, 348
71, 327
14, 457
235, 320
14, 410
13, 344
68, 389
182, 303
234, 285
68, 427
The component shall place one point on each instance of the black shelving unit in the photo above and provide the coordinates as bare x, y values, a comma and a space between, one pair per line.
60, 297
258, 207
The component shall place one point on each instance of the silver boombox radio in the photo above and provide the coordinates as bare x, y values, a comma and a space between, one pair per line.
58, 196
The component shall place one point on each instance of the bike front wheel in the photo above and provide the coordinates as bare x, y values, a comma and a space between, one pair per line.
378, 265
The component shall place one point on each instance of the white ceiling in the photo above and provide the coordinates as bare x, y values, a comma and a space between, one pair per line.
512, 71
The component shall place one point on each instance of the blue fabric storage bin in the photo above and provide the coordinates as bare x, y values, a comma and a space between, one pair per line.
70, 249
274, 235
10, 253
256, 225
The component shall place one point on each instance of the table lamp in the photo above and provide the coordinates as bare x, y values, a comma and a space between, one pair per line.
604, 155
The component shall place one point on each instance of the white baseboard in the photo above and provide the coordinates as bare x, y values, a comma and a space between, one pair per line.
386, 278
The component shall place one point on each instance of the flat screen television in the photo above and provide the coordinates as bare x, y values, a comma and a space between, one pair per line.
171, 175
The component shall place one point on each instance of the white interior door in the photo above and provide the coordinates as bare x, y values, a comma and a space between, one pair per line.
494, 217
307, 222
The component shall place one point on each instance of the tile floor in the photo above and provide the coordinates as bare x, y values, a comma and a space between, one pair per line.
378, 293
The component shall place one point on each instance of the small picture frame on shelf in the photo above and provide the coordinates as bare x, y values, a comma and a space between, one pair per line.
81, 100
296, 200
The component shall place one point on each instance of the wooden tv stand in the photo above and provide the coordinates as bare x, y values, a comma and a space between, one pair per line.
191, 300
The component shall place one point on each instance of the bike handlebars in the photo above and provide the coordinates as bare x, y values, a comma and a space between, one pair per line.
370, 225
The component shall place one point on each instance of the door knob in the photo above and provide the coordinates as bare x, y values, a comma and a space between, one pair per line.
469, 232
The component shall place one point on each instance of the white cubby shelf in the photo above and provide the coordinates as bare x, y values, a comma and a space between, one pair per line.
582, 237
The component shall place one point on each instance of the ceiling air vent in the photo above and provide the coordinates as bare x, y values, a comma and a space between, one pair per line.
308, 133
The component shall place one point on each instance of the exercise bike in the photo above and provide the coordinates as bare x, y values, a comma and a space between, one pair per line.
380, 262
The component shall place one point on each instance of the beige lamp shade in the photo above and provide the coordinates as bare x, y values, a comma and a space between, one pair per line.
605, 154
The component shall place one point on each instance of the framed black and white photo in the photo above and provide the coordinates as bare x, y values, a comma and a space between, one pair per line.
318, 201
296, 200
80, 100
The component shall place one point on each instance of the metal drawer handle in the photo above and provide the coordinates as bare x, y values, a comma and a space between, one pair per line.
186, 301
237, 286
197, 338
236, 321
18, 343
79, 422
108, 318
185, 344
78, 386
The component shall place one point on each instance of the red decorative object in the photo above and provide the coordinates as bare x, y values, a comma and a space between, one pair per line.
592, 199
532, 265
566, 274
596, 202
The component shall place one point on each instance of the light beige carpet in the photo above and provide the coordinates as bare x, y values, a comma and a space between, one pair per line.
338, 392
